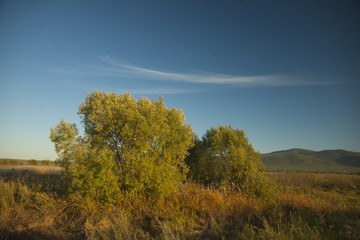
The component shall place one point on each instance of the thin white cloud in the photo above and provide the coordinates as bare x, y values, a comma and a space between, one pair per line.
124, 69
204, 77
158, 91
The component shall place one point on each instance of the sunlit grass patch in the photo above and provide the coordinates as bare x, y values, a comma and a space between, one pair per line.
32, 205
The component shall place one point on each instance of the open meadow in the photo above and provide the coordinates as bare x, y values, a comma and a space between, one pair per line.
33, 205
176, 120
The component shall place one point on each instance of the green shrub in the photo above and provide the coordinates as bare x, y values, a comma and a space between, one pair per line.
92, 174
224, 157
32, 162
133, 147
45, 162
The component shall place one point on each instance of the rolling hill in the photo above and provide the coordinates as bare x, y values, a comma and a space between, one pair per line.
306, 160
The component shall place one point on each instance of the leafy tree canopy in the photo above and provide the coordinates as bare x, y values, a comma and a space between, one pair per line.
139, 144
225, 157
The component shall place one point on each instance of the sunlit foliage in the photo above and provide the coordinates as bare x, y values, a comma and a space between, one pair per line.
138, 144
225, 157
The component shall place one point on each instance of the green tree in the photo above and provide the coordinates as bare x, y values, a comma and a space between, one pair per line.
45, 162
33, 162
225, 157
140, 144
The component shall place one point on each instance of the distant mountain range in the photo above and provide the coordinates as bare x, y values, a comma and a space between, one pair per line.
306, 160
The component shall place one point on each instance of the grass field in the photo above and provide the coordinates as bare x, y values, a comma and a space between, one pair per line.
308, 206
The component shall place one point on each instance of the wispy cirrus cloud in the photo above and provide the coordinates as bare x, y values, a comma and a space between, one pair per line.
160, 91
124, 69
151, 90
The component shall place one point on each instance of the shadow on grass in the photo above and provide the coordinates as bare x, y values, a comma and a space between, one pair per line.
41, 179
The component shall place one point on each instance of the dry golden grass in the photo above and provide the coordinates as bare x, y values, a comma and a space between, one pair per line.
309, 206
19, 169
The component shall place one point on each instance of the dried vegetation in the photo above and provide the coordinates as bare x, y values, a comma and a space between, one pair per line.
309, 206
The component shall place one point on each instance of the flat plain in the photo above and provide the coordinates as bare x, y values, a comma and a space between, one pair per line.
34, 205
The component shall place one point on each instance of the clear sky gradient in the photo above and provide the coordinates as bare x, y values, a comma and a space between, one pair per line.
287, 72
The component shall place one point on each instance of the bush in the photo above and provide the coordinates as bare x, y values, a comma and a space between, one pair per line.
136, 148
92, 174
45, 162
32, 162
224, 157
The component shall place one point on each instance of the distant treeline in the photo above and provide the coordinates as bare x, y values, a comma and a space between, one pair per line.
17, 162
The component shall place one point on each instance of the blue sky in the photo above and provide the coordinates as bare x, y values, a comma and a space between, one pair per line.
287, 72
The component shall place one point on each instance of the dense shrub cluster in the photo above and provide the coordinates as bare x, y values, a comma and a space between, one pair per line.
135, 149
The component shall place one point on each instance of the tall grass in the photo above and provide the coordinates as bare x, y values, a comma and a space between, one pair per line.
318, 180
309, 206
